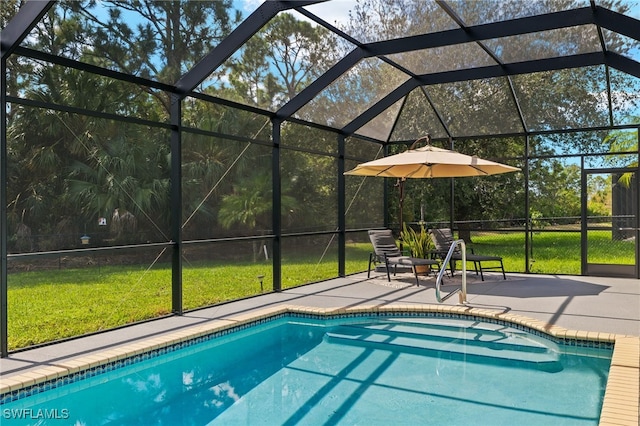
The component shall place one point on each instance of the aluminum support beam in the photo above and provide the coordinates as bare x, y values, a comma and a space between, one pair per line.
526, 67
342, 209
617, 22
176, 204
493, 71
622, 63
276, 206
551, 21
4, 346
527, 209
19, 27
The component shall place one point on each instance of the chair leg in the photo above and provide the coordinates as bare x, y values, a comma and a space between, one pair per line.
502, 266
386, 262
415, 272
481, 274
369, 267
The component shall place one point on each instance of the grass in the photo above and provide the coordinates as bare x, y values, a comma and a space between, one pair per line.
45, 306
554, 252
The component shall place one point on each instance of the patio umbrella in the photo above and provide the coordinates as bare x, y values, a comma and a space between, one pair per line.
428, 162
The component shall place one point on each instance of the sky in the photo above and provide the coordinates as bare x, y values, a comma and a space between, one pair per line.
336, 10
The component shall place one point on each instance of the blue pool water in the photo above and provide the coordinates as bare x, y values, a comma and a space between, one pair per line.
372, 371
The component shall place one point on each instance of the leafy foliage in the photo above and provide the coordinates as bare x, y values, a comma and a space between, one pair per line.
67, 170
419, 242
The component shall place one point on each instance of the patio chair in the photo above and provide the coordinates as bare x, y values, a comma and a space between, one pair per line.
443, 238
385, 250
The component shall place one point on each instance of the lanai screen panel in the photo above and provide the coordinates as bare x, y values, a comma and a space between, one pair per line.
625, 97
155, 40
477, 107
309, 201
567, 144
380, 127
480, 200
564, 99
623, 6
621, 44
217, 118
384, 20
417, 118
226, 181
226, 187
308, 169
279, 61
71, 175
546, 44
353, 93
445, 58
304, 138
364, 196
477, 12
68, 87
361, 150
620, 142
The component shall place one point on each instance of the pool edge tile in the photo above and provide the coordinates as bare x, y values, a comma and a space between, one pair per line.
620, 403
616, 407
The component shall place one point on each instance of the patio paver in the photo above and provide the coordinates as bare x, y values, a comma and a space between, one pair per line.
605, 309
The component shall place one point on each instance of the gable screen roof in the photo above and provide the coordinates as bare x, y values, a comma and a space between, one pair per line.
388, 70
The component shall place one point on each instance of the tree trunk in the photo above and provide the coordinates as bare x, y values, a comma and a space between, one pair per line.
464, 233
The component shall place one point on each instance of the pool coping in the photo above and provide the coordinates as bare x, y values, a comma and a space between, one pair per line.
622, 394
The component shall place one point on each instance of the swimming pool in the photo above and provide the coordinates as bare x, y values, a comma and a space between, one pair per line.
398, 367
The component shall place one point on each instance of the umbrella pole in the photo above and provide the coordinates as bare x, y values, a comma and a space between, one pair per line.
400, 185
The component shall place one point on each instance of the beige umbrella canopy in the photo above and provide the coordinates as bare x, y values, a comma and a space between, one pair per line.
428, 162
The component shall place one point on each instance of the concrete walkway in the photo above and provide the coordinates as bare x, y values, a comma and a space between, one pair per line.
609, 305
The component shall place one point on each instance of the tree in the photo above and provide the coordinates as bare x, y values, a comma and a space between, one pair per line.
70, 169
623, 141
279, 61
554, 189
159, 40
65, 169
599, 195
549, 100
17, 67
127, 177
250, 206
213, 165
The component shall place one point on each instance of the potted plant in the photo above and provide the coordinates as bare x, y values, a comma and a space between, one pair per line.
418, 242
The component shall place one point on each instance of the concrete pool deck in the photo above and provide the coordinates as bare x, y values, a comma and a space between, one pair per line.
606, 309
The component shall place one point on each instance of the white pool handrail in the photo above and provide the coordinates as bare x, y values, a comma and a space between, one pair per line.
447, 259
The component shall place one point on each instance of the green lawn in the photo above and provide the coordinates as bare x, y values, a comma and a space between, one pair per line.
553, 252
49, 305
44, 306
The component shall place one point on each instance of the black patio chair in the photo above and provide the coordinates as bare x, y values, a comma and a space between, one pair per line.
443, 239
385, 250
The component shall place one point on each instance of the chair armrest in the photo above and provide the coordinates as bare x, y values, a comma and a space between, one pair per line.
433, 254
438, 253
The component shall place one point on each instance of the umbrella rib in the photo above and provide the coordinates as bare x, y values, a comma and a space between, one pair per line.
384, 170
479, 169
